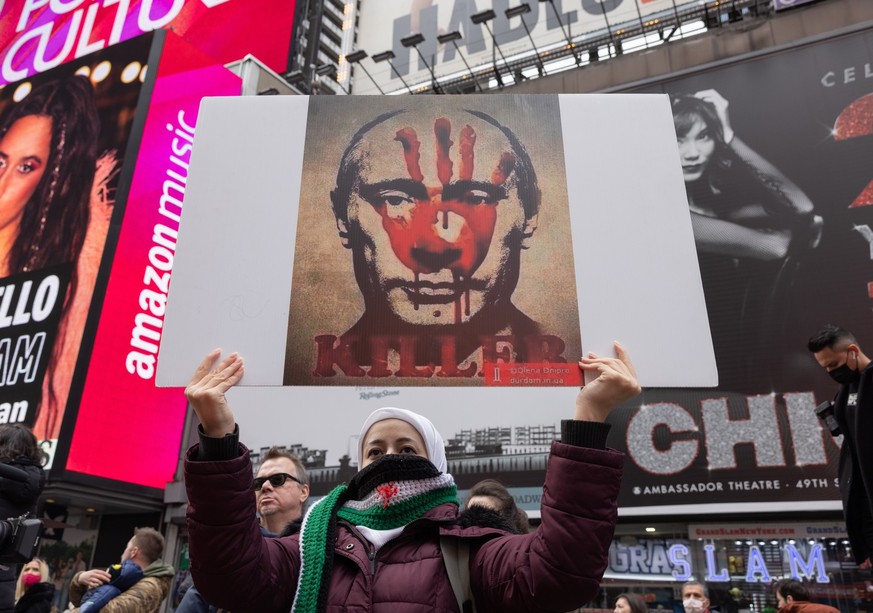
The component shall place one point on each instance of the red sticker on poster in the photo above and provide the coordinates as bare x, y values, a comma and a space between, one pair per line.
530, 374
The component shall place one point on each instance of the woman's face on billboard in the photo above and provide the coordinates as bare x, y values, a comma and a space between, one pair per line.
24, 153
695, 150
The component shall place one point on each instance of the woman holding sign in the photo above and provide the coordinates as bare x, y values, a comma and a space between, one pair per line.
390, 539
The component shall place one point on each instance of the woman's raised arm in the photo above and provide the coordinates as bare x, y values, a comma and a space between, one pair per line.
206, 392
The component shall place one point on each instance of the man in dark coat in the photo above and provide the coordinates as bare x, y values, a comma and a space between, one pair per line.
21, 481
837, 351
281, 491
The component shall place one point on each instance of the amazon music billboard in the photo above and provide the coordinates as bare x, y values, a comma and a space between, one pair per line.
95, 153
117, 385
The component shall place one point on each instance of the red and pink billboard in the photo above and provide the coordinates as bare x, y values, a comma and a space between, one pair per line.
119, 400
37, 35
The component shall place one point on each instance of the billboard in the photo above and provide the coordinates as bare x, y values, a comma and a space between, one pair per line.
774, 154
382, 25
117, 382
64, 141
37, 35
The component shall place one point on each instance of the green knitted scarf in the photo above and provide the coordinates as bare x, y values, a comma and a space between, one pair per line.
389, 493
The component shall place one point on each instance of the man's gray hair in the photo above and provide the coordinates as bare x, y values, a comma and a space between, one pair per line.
700, 583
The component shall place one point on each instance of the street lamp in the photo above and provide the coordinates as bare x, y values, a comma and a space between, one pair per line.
297, 79
413, 40
388, 56
566, 34
329, 70
355, 58
615, 45
483, 17
454, 37
520, 11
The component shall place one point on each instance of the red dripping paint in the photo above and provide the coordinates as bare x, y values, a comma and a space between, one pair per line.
430, 234
504, 168
458, 281
442, 130
465, 148
411, 152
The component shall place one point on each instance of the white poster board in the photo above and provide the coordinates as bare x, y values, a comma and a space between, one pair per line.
608, 163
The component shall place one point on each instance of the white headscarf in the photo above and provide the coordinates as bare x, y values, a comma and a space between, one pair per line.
433, 441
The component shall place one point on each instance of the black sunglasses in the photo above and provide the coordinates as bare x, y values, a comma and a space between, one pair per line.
277, 480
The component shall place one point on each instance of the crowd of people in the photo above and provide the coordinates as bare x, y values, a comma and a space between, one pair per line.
139, 583
257, 545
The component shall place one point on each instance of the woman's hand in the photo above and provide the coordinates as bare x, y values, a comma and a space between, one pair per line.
616, 381
206, 392
721, 107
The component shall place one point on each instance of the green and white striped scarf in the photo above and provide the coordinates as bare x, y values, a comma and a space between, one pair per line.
389, 493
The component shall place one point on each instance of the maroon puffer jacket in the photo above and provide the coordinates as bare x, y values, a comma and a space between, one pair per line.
556, 568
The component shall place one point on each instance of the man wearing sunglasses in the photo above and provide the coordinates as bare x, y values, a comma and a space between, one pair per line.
281, 489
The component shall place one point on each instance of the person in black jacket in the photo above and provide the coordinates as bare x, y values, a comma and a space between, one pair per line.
838, 352
33, 591
21, 481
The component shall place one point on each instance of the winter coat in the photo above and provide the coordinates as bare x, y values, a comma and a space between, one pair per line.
17, 498
145, 596
856, 458
556, 568
124, 576
37, 599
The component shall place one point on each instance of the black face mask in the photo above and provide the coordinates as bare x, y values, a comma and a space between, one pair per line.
845, 375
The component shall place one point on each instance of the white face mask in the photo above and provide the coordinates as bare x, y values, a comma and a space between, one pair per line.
692, 605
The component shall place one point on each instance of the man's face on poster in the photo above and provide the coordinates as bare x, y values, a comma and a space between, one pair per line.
435, 219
